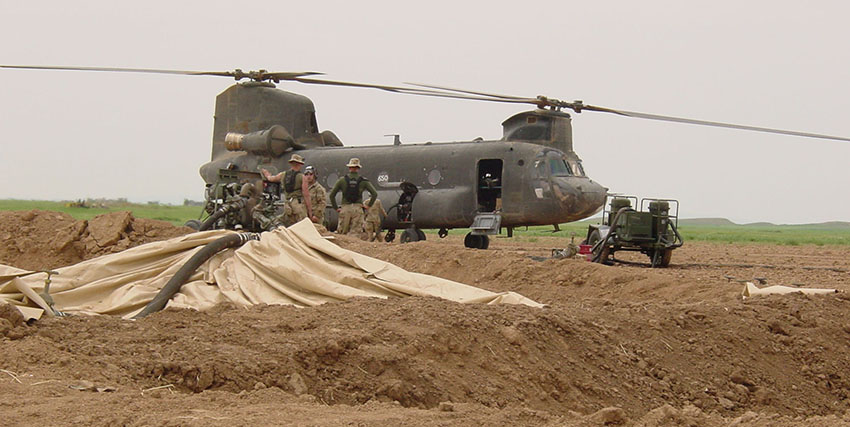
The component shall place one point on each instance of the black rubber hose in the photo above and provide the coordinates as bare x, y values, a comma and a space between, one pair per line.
230, 207
176, 282
679, 241
597, 255
211, 220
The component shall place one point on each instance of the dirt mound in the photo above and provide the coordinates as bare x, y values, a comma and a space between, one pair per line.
11, 322
43, 240
617, 345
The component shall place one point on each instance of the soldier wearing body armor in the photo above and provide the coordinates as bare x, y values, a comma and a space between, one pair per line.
318, 196
352, 186
296, 191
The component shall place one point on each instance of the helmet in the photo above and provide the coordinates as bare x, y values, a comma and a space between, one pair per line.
309, 169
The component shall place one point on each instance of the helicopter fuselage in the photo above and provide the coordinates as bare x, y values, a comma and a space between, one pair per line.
526, 183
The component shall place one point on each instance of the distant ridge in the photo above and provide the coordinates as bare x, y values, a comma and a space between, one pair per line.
725, 222
830, 224
706, 221
760, 224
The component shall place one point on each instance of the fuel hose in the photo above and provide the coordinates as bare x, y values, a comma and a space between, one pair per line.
188, 269
230, 207
600, 247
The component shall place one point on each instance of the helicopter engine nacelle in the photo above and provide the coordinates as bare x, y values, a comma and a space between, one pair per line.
273, 141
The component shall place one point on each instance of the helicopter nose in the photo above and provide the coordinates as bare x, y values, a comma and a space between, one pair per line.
581, 197
594, 195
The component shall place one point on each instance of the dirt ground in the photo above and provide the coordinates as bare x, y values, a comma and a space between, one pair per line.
620, 344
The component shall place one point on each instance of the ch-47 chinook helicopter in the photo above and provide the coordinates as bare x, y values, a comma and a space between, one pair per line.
531, 176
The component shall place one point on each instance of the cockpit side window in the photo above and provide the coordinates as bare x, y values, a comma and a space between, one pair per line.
540, 168
578, 169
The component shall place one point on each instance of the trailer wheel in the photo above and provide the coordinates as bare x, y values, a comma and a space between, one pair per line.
605, 254
666, 255
660, 257
594, 237
602, 253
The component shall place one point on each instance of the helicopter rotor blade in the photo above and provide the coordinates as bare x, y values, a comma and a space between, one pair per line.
111, 69
237, 74
542, 101
431, 90
492, 95
659, 117
405, 90
579, 106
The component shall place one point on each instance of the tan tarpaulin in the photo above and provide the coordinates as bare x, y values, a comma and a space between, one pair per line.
750, 290
287, 266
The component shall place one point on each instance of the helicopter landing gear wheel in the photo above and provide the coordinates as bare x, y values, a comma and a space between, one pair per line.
443, 233
475, 241
412, 235
390, 236
194, 224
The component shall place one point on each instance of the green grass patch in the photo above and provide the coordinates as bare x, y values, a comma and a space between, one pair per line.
790, 235
715, 230
176, 215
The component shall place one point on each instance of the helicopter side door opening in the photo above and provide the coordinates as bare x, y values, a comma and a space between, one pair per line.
489, 185
489, 197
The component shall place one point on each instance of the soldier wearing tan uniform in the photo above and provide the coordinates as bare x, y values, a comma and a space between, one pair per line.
352, 187
318, 196
296, 191
374, 216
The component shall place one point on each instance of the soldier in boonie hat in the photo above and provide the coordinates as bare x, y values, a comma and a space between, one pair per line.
352, 186
296, 159
295, 189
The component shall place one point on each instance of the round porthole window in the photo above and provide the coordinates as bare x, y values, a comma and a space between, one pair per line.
434, 177
332, 179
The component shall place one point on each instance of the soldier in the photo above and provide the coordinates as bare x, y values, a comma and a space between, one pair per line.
352, 187
374, 216
296, 191
318, 196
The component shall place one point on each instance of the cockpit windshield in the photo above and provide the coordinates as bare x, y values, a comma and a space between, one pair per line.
558, 167
552, 163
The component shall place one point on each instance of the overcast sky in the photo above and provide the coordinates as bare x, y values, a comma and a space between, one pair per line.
780, 64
